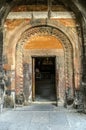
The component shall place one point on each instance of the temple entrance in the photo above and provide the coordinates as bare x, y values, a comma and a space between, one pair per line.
44, 87
44, 66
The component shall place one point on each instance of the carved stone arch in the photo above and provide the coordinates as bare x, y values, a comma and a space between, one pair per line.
13, 40
68, 53
38, 23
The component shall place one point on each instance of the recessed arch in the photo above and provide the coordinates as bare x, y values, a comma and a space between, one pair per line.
68, 56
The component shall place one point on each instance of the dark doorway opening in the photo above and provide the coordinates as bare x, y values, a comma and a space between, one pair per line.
45, 86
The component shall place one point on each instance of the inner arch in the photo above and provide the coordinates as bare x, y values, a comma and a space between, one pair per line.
43, 42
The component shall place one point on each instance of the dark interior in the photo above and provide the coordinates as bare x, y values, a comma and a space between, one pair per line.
45, 79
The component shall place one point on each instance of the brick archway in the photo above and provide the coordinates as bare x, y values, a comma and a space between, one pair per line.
68, 57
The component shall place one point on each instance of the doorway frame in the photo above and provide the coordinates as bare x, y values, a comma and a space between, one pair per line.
33, 76
22, 58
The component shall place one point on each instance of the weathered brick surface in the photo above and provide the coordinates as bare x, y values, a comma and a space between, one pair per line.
21, 42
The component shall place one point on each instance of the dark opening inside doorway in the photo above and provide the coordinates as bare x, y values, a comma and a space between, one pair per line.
45, 78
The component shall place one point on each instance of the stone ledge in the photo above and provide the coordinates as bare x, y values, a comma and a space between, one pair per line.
37, 15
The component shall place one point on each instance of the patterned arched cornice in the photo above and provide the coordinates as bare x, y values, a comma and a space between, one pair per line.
54, 24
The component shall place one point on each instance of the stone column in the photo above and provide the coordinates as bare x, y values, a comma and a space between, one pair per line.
1, 69
84, 65
81, 93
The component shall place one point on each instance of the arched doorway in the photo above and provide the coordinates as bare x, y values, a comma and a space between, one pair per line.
24, 62
44, 79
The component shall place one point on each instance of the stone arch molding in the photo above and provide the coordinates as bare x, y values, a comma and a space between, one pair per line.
68, 55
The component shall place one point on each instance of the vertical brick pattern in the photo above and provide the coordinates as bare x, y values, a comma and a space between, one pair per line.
19, 70
69, 71
27, 82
